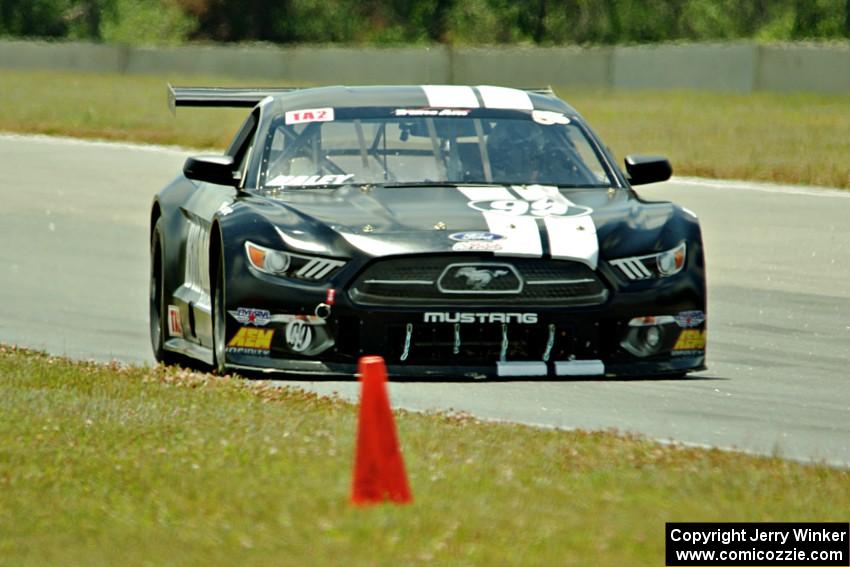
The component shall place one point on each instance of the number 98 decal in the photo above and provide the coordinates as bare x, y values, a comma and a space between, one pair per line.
539, 208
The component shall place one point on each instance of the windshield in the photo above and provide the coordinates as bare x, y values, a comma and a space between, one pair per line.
328, 147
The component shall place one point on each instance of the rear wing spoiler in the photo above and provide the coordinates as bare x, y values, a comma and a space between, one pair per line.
248, 97
235, 97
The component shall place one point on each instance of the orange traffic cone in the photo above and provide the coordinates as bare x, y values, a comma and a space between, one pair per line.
378, 465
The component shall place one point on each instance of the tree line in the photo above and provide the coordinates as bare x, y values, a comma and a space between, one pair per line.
536, 22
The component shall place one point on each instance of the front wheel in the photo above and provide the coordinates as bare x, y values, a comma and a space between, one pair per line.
219, 315
158, 308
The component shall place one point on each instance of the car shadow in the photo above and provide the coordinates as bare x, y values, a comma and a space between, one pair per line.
280, 376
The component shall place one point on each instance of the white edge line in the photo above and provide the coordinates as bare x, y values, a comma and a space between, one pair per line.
763, 187
811, 461
100, 143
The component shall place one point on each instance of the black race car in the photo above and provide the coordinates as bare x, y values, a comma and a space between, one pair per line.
456, 231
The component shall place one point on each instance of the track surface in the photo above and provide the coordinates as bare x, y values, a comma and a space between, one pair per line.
73, 224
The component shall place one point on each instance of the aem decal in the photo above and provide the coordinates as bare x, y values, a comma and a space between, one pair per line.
309, 115
445, 317
689, 340
250, 340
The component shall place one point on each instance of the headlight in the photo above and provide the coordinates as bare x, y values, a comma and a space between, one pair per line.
661, 265
672, 261
280, 263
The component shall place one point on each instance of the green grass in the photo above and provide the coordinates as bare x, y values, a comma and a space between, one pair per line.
122, 465
789, 138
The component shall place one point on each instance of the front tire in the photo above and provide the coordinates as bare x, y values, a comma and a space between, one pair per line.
219, 322
158, 308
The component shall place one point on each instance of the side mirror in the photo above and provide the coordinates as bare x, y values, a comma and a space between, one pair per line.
648, 169
212, 169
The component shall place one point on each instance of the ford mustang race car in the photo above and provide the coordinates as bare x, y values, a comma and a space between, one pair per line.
456, 231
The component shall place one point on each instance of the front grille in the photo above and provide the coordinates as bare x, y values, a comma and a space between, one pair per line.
476, 345
470, 280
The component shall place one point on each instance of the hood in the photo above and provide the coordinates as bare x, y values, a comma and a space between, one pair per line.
530, 220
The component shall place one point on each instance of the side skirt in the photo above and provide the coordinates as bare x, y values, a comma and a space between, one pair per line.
184, 347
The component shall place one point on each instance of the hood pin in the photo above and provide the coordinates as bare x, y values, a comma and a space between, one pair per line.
368, 228
440, 226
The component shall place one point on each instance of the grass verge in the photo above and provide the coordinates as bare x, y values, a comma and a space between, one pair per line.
107, 464
789, 138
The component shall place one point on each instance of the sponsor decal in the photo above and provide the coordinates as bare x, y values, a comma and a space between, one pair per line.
690, 319
250, 340
249, 316
309, 115
690, 340
446, 317
548, 118
299, 335
430, 112
309, 180
476, 246
175, 327
475, 235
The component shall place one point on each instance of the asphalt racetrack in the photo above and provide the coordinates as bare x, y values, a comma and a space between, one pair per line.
74, 277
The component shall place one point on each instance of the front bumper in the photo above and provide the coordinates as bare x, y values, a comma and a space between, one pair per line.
480, 341
474, 344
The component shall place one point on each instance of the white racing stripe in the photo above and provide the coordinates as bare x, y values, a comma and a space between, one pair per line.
450, 96
573, 238
503, 97
521, 234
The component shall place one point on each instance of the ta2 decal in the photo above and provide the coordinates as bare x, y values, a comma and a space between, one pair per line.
309, 115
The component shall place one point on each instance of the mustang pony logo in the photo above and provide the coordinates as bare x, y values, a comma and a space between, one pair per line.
478, 278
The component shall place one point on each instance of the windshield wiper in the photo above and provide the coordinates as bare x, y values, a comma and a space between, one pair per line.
581, 186
401, 185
